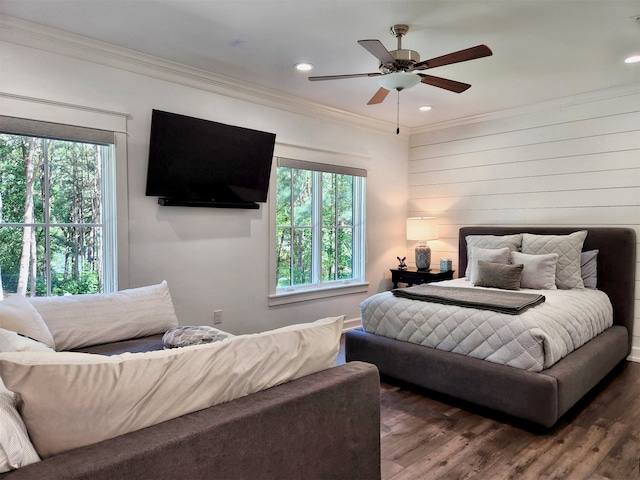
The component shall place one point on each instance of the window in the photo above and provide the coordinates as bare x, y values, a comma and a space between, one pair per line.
57, 209
319, 227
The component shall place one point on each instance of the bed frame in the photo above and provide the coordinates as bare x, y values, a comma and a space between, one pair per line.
541, 397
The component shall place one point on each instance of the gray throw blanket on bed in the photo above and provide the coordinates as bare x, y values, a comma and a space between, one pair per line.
497, 301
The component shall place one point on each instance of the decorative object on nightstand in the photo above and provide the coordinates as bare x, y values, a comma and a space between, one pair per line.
446, 264
422, 229
401, 264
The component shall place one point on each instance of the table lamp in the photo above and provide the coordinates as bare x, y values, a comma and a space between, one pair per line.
422, 229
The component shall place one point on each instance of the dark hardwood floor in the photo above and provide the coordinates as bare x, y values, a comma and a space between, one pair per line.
428, 436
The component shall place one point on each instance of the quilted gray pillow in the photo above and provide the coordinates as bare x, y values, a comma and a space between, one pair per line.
568, 248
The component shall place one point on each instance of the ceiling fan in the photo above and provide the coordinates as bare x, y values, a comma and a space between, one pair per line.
399, 69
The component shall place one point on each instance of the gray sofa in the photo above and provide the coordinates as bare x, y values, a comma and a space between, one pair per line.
322, 426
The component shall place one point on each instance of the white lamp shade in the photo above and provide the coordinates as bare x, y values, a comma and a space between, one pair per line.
422, 228
398, 80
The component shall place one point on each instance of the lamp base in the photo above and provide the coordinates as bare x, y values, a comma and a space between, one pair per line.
423, 257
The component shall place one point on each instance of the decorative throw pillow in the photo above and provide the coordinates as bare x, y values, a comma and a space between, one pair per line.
185, 336
539, 270
568, 248
589, 268
512, 242
498, 275
18, 315
16, 342
74, 399
79, 321
476, 254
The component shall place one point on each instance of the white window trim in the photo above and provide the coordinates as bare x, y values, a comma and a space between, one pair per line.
312, 292
44, 110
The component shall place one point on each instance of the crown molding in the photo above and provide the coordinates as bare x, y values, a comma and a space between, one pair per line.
582, 98
41, 37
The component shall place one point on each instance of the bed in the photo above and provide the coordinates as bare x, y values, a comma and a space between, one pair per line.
541, 397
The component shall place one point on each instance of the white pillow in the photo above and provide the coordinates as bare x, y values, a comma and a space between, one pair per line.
568, 248
77, 321
16, 450
539, 271
499, 255
18, 315
14, 342
75, 399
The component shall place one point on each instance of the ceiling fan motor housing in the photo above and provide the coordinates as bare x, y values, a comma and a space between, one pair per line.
405, 59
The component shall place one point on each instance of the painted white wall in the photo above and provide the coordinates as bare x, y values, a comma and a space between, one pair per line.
575, 161
218, 258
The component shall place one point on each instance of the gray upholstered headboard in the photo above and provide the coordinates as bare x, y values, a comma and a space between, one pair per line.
616, 261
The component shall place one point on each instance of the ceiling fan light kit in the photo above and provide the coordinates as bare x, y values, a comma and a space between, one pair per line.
399, 68
399, 80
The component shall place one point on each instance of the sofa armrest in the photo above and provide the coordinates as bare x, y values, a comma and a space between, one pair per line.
325, 425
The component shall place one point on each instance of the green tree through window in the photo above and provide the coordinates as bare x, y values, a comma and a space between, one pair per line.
319, 227
52, 224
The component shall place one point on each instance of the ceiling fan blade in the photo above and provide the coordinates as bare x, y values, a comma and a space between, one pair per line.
379, 96
451, 85
378, 50
472, 53
338, 77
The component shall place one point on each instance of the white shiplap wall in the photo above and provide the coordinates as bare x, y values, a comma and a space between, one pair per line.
570, 162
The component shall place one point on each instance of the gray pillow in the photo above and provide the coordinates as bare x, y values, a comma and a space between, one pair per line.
498, 275
589, 268
539, 271
495, 255
568, 248
512, 242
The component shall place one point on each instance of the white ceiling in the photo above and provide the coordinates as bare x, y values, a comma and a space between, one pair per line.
542, 49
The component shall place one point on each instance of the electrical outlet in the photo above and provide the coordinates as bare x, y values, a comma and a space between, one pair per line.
217, 317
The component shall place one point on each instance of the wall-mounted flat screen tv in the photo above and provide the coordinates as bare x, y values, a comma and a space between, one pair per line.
195, 162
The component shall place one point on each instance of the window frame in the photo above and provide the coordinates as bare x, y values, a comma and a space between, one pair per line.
78, 123
320, 289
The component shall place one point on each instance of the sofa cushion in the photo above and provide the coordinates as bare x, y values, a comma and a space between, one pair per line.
18, 315
74, 399
77, 321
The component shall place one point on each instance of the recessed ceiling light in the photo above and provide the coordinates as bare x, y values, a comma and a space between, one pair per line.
425, 108
303, 66
632, 59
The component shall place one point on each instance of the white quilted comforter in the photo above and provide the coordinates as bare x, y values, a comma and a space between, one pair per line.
533, 340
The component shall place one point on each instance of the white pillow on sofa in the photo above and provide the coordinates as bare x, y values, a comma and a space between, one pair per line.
18, 315
77, 321
75, 399
16, 450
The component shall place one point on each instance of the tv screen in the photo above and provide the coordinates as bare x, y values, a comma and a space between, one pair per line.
207, 162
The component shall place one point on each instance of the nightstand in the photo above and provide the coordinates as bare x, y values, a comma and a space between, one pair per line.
413, 276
